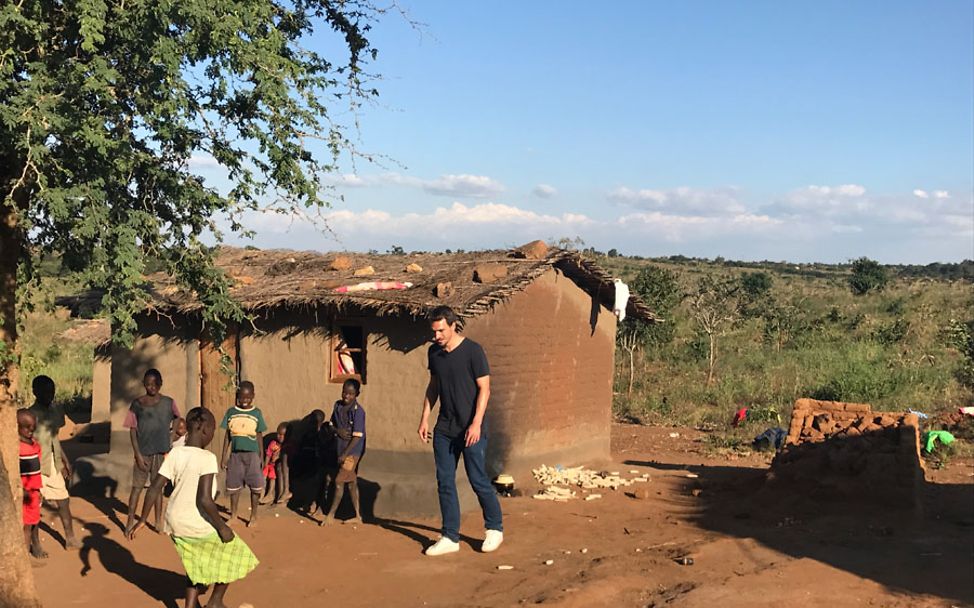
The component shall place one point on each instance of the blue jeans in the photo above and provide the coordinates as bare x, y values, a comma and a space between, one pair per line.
446, 453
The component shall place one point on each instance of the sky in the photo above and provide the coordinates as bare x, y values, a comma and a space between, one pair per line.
800, 131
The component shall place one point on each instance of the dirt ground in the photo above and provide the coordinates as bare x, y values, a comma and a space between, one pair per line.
749, 547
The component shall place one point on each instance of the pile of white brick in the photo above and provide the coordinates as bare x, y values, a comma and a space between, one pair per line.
559, 481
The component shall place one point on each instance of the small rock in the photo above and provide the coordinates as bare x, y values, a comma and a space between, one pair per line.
488, 273
342, 262
444, 290
584, 551
365, 272
696, 492
548, 562
505, 567
535, 250
593, 497
411, 268
674, 435
692, 475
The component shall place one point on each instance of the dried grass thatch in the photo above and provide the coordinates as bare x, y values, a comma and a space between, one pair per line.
280, 279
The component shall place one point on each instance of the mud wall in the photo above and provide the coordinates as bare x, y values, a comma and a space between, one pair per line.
845, 450
551, 354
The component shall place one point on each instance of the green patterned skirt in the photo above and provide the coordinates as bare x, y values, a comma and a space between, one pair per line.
209, 560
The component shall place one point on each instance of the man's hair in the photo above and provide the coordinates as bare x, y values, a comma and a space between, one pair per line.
40, 382
352, 382
154, 373
443, 313
247, 384
197, 417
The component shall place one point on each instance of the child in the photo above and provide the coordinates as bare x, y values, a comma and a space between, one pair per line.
275, 467
178, 432
245, 428
55, 470
30, 478
149, 421
348, 417
209, 550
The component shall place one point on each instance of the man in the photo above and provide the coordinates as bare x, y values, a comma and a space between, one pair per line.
55, 469
460, 380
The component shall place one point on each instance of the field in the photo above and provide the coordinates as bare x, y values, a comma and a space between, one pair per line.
891, 348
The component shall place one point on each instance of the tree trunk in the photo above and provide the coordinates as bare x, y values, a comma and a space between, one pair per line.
632, 369
217, 389
713, 357
16, 576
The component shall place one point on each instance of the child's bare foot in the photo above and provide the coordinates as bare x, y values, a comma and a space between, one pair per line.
252, 522
72, 543
37, 551
354, 520
327, 521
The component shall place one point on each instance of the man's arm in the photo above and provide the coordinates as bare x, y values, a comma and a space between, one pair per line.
432, 394
483, 395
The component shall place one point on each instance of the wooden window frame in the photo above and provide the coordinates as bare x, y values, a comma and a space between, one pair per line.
335, 339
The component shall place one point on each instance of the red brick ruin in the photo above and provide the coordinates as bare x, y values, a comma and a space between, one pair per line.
845, 450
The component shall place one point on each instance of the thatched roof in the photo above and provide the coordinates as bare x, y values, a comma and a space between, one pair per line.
274, 279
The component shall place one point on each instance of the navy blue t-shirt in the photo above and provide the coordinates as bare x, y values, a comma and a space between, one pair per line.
349, 418
456, 374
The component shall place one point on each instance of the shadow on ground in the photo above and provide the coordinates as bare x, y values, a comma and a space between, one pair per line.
922, 549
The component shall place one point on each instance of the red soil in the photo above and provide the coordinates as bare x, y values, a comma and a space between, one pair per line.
750, 548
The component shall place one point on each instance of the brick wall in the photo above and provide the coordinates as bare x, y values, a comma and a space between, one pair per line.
551, 374
836, 449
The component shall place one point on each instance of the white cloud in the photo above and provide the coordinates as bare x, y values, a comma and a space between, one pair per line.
202, 161
544, 191
682, 201
464, 185
941, 194
921, 193
456, 186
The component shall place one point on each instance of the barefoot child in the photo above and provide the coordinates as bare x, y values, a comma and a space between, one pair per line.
30, 478
208, 548
149, 421
348, 418
55, 470
275, 467
245, 428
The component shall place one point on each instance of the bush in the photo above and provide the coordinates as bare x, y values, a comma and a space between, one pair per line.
867, 275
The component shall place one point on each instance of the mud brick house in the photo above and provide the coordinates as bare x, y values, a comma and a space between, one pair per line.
543, 316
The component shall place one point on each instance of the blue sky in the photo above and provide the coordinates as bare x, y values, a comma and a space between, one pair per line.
806, 131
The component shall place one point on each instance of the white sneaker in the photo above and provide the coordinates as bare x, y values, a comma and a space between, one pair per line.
492, 540
442, 547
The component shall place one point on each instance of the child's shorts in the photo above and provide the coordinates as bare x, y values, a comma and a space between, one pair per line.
244, 470
348, 471
32, 507
143, 479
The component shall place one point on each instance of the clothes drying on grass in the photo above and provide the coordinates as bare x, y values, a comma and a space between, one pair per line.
930, 439
770, 439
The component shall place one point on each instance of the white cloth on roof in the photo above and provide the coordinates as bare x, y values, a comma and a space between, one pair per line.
622, 299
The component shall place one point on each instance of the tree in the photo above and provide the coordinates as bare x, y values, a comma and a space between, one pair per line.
105, 111
659, 289
756, 294
613, 253
867, 275
715, 305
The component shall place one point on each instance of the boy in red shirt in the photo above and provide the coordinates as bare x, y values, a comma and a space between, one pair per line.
30, 478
